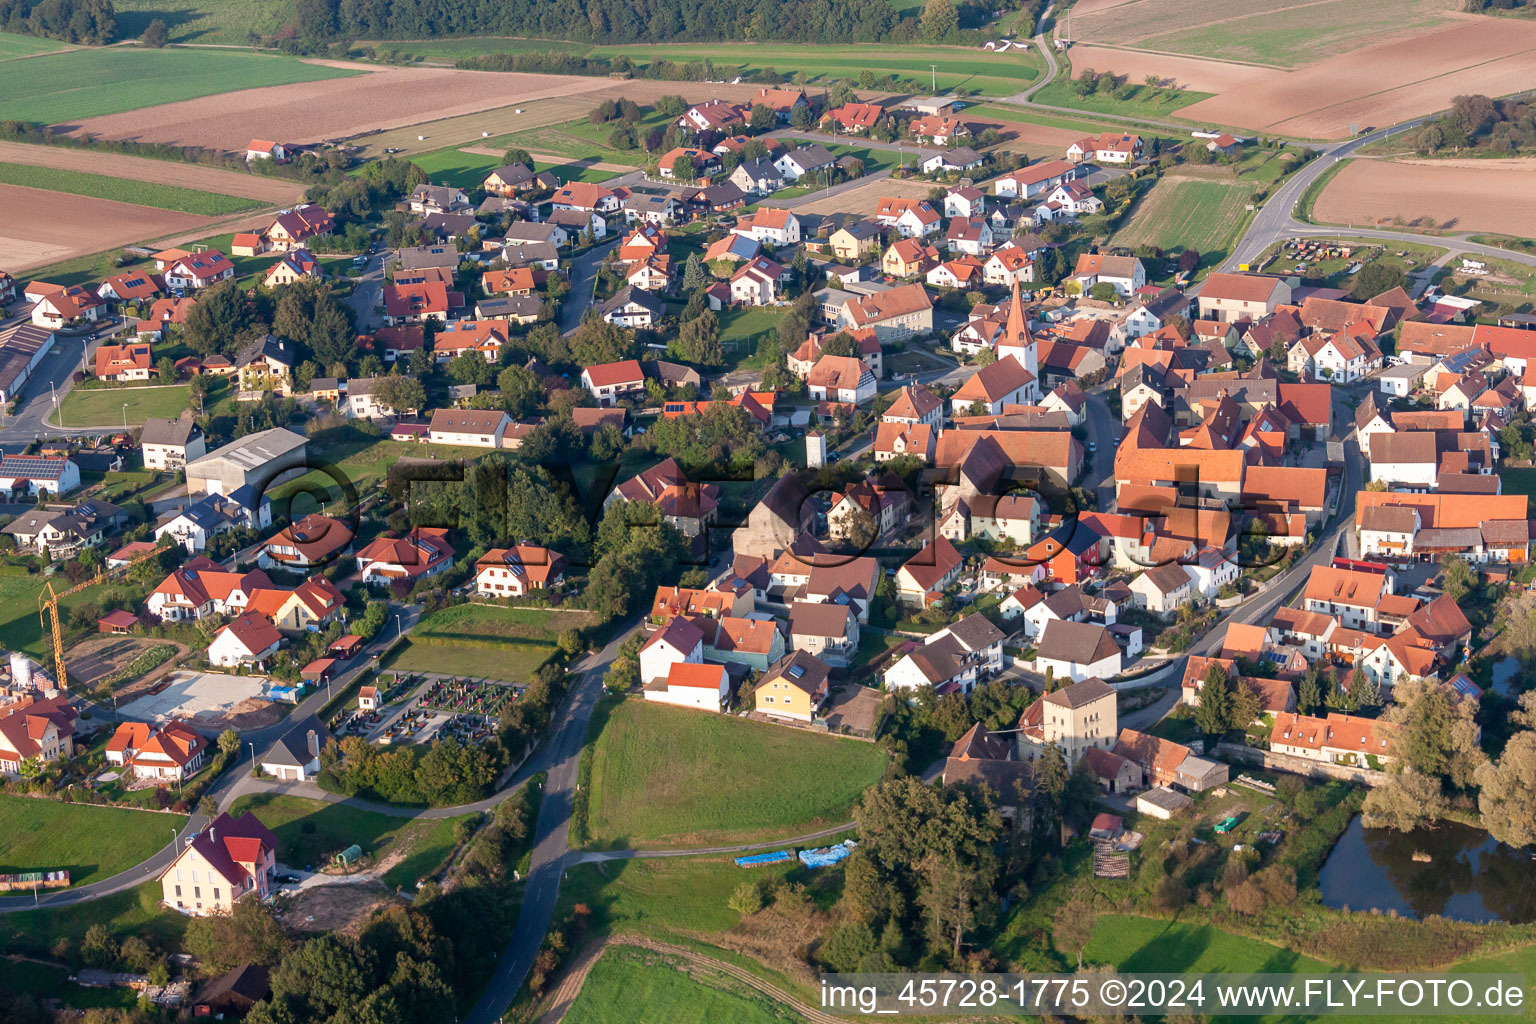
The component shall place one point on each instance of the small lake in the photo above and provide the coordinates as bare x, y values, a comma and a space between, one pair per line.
1469, 876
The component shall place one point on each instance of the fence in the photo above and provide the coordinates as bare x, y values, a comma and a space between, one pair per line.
1300, 765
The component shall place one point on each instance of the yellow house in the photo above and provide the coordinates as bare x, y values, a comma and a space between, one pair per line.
908, 258
219, 865
855, 241
794, 687
311, 606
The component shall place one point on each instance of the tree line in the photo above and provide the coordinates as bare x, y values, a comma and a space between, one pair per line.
93, 22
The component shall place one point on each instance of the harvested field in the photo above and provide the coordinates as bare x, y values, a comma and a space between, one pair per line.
864, 198
113, 165
1454, 193
1281, 32
311, 112
1036, 139
47, 227
1384, 83
1189, 73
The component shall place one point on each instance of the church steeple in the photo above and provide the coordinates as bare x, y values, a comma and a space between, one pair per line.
1017, 331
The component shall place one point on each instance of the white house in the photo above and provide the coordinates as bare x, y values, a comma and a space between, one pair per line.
797, 163
955, 659
1077, 651
475, 428
845, 379
965, 201
692, 685
246, 642
678, 641
1124, 273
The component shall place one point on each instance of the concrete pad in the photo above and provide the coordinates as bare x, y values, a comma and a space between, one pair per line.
191, 694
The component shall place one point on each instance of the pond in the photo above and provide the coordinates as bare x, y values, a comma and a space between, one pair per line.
1468, 877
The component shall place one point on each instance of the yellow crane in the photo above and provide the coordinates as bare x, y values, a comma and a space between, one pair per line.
48, 612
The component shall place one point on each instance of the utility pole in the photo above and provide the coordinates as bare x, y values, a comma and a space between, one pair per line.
934, 69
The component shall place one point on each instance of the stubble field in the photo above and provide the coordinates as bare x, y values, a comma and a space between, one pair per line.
45, 227
1455, 193
164, 172
312, 112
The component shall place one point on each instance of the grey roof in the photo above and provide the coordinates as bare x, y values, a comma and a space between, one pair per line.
250, 452
293, 748
1167, 799
801, 669
1387, 518
176, 431
960, 156
531, 231
809, 618
1080, 643
760, 168
1079, 694
509, 305
976, 631
422, 257
814, 155
268, 347
638, 296
522, 254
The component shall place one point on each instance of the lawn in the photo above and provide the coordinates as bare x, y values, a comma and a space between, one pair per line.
133, 912
103, 407
628, 984
364, 460
123, 190
1518, 481
667, 895
20, 628
309, 832
486, 640
1188, 213
108, 80
741, 329
1144, 944
38, 835
1134, 100
736, 780
580, 139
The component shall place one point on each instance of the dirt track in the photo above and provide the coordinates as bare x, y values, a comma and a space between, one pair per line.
1455, 193
45, 227
113, 165
1384, 83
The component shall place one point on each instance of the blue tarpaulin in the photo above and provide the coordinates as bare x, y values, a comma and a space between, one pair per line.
759, 859
827, 856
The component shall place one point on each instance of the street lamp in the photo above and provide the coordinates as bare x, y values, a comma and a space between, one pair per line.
125, 417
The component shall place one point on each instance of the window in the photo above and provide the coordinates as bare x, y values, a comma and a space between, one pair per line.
215, 895
178, 893
197, 892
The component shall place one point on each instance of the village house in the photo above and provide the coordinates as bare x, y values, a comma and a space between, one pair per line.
829, 631
613, 382
1075, 719
229, 859
292, 229
172, 753
246, 642
1228, 298
169, 444
1123, 273
956, 659
929, 572
419, 554
679, 641
690, 685
795, 687
36, 729
1106, 148
685, 505
1077, 650
518, 571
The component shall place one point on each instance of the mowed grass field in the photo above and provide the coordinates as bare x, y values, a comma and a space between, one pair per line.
63, 87
103, 407
123, 190
91, 842
309, 832
628, 984
21, 46
489, 641
1188, 213
668, 777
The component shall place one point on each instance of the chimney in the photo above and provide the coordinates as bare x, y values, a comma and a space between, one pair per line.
314, 744
212, 835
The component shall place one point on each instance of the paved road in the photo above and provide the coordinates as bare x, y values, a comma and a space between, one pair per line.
583, 283
558, 757
369, 292
51, 380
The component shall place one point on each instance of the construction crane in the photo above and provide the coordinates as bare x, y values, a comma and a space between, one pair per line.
48, 612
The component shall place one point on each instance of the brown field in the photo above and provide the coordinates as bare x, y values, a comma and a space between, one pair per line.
1192, 73
1036, 139
1384, 83
1454, 193
313, 111
46, 227
449, 106
864, 198
113, 165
